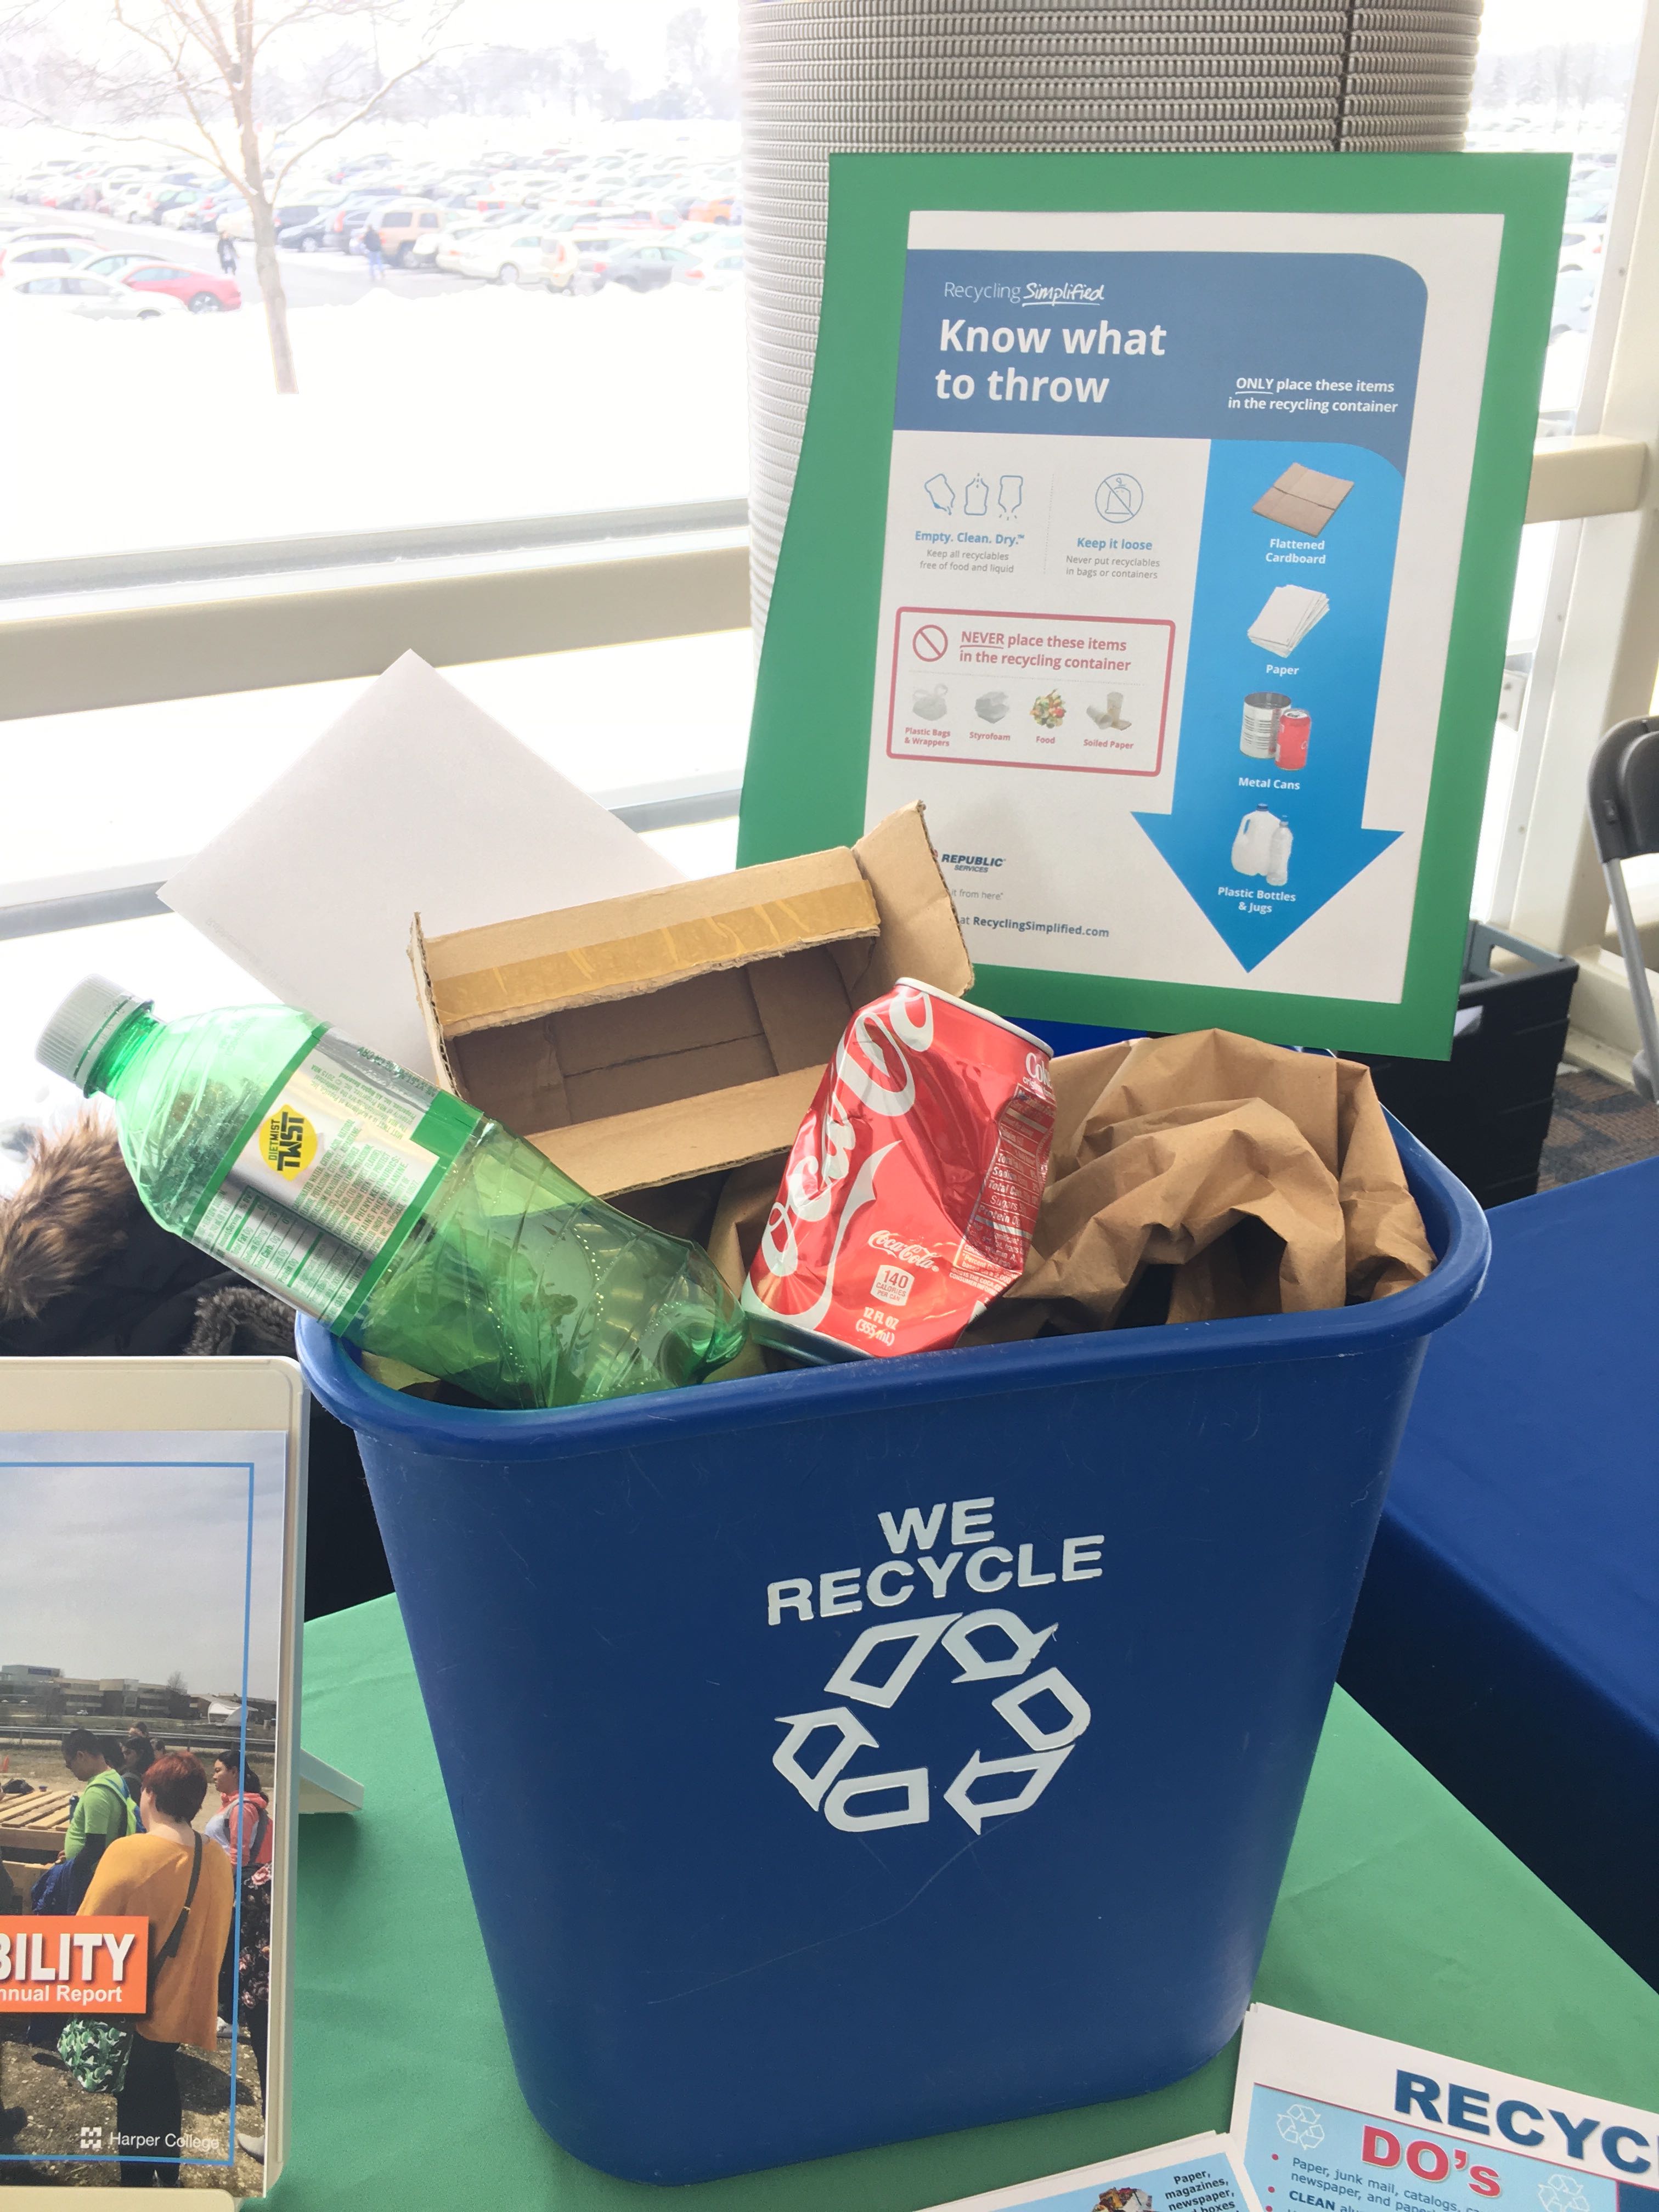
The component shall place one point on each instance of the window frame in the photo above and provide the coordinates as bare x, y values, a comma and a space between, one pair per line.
116, 630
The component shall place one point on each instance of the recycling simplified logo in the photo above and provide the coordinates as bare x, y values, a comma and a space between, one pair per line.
1301, 2124
1563, 2192
991, 1646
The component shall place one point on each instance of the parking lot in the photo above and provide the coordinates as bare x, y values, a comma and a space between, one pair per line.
425, 395
309, 280
571, 220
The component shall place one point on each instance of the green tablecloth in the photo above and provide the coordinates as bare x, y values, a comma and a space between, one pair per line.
1399, 1914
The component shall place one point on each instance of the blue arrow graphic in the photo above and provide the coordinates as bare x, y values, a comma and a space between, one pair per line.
1331, 675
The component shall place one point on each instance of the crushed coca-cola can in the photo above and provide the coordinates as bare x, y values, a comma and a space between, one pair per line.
913, 1187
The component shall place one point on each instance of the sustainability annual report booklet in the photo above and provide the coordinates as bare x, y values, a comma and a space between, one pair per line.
1329, 2120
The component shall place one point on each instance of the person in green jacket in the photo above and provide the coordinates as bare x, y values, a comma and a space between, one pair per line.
103, 1811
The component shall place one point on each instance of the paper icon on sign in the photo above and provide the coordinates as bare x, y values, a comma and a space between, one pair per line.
1304, 500
1289, 614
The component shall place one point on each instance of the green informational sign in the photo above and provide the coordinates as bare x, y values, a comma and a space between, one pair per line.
1156, 525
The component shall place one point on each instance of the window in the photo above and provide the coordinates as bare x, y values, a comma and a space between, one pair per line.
1537, 89
589, 100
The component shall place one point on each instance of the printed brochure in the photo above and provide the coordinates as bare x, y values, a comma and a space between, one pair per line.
144, 1813
1329, 2120
1198, 2174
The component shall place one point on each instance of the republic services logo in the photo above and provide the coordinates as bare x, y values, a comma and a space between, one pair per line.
1037, 1722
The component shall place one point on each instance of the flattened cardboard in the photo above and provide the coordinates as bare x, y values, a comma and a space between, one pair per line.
681, 1032
1303, 498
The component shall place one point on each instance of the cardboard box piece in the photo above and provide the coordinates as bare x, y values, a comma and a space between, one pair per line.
675, 1032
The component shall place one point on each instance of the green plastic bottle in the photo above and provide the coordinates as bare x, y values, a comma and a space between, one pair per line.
401, 1216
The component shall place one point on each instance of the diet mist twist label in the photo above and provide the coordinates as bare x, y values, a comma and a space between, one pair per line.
331, 1177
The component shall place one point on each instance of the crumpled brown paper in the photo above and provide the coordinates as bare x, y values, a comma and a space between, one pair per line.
1264, 1181
1240, 1178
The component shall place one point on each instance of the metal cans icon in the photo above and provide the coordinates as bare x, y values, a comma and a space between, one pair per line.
1260, 730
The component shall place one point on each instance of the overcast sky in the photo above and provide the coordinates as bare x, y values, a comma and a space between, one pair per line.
632, 32
139, 1572
1512, 26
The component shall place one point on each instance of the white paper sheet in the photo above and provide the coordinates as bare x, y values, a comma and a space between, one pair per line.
414, 801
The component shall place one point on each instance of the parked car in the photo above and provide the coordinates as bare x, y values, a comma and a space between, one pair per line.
201, 212
595, 250
510, 256
399, 222
35, 232
720, 271
203, 295
347, 220
93, 297
290, 215
151, 204
719, 206
22, 257
644, 268
306, 237
444, 249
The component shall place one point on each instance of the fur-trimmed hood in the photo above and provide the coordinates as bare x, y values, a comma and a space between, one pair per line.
83, 1268
71, 1213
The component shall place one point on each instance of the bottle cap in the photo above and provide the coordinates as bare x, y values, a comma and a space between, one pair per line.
72, 1040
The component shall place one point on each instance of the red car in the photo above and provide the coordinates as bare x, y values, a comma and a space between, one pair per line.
203, 295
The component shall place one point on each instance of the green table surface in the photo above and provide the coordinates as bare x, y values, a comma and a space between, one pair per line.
1399, 1915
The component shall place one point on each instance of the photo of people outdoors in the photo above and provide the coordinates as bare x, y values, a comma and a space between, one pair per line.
139, 1653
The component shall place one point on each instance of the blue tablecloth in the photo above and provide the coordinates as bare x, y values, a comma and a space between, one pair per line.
1508, 1632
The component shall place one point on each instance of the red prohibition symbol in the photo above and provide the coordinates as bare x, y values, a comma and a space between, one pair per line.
930, 642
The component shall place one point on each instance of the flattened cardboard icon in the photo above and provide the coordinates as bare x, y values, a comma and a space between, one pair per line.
1303, 498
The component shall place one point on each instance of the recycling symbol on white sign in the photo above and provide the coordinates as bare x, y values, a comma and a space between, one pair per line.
829, 1789
1302, 2125
1563, 2192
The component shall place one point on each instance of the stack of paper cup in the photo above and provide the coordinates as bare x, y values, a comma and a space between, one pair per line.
825, 77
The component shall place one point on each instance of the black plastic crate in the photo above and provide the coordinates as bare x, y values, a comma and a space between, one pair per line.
1486, 1111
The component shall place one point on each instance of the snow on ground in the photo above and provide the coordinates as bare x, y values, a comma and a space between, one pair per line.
456, 407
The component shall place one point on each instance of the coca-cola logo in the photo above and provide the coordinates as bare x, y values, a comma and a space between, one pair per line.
914, 1255
871, 1069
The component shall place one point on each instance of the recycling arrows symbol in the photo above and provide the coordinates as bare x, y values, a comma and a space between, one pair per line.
970, 1639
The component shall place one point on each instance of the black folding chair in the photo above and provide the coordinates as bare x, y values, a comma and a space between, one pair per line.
1624, 812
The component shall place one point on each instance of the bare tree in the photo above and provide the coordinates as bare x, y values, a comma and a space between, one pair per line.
206, 67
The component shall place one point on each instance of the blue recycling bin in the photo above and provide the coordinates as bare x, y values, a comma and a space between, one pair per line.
845, 1756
